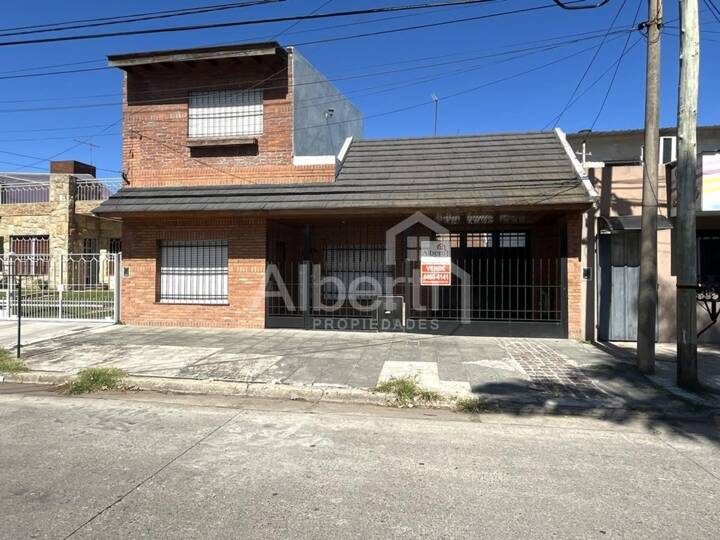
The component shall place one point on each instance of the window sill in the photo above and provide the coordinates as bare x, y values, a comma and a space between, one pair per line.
202, 142
199, 303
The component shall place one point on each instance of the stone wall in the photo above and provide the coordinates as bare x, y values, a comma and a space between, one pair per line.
57, 219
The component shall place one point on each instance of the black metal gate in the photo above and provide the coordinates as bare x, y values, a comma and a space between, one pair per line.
497, 288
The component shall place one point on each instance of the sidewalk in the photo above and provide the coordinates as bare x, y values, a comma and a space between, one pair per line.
540, 373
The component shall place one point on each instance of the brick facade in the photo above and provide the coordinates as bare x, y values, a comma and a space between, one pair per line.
246, 271
156, 153
155, 131
574, 276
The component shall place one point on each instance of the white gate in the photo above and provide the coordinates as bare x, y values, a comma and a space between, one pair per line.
75, 287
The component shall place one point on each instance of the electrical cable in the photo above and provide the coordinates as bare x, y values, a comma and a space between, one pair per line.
230, 24
587, 70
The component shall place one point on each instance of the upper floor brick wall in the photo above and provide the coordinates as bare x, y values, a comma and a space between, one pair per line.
155, 131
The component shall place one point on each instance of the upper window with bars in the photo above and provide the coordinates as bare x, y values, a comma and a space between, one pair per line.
225, 113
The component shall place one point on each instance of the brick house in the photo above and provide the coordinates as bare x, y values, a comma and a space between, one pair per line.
252, 201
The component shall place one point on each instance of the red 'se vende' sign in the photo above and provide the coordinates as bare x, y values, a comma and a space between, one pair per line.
435, 265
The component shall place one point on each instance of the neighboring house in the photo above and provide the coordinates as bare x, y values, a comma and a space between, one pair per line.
246, 174
45, 215
613, 161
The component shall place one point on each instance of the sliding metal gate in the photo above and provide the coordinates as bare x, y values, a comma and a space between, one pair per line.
75, 287
499, 288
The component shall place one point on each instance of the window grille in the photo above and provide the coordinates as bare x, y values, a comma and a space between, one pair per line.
451, 238
479, 240
225, 113
512, 239
115, 245
31, 254
347, 263
194, 272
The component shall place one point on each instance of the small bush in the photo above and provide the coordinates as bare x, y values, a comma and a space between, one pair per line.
406, 391
473, 405
95, 380
10, 364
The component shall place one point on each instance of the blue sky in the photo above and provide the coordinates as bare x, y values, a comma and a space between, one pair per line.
444, 60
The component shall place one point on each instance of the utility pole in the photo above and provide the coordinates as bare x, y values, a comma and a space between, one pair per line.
436, 100
686, 248
647, 294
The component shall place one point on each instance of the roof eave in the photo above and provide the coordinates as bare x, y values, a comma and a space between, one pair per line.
130, 60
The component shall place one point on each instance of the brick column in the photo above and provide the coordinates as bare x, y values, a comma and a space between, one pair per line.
574, 276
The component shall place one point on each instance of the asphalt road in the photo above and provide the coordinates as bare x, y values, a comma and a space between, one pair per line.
143, 465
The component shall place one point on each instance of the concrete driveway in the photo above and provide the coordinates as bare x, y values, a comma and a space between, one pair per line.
35, 331
526, 371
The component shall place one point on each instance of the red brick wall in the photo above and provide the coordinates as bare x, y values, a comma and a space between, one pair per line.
155, 110
246, 272
574, 276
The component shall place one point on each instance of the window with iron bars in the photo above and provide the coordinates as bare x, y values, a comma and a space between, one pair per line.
115, 245
347, 263
193, 272
225, 113
31, 254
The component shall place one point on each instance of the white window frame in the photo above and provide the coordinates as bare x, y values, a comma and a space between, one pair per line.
224, 114
193, 272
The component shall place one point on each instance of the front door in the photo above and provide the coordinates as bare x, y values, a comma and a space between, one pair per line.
619, 278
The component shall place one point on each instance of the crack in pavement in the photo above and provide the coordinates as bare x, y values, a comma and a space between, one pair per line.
154, 474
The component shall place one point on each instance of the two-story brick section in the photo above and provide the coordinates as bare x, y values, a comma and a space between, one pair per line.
253, 201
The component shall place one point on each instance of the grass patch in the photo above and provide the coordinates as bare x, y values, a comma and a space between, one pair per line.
10, 364
474, 405
406, 391
95, 380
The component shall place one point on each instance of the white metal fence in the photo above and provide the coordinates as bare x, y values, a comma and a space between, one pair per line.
77, 287
86, 189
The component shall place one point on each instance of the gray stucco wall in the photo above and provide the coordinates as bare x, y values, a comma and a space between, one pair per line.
625, 146
325, 136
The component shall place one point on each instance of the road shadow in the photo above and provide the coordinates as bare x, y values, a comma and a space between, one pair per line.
620, 395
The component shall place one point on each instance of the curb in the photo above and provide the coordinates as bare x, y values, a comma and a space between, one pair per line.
214, 387
318, 394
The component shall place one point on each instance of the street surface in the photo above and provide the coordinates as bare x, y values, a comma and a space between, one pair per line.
148, 465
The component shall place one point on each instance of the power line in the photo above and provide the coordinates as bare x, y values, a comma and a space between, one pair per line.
125, 19
526, 52
33, 139
587, 70
67, 64
69, 149
343, 38
427, 25
617, 68
63, 72
592, 84
312, 30
714, 10
296, 23
210, 26
180, 91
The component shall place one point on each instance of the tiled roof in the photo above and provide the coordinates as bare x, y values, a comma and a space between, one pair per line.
486, 171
